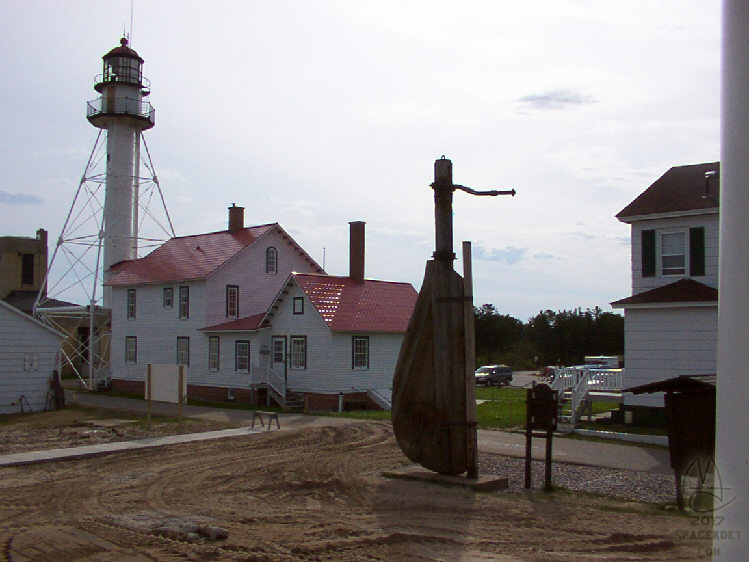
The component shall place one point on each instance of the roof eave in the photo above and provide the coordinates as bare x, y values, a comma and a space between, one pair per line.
669, 215
217, 330
654, 305
112, 283
370, 331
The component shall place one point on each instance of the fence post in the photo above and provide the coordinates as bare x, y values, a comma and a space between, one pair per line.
181, 396
148, 396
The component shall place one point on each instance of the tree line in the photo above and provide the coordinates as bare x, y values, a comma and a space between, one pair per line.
550, 338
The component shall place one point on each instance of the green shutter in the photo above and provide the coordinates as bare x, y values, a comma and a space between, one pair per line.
648, 253
697, 251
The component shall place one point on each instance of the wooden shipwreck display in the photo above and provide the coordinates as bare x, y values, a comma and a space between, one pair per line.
434, 391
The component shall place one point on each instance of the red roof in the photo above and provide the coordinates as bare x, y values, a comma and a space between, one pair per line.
682, 291
370, 306
189, 258
680, 189
241, 324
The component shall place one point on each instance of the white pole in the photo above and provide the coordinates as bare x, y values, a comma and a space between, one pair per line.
731, 506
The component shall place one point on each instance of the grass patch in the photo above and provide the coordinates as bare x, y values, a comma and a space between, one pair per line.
603, 407
504, 407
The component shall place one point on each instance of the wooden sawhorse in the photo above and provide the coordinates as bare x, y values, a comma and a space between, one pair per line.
257, 414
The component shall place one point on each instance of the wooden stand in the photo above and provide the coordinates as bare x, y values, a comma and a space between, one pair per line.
541, 415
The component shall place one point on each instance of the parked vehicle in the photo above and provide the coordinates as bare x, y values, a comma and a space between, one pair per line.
547, 372
495, 375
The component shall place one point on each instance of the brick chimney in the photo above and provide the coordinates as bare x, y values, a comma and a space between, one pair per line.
236, 218
356, 251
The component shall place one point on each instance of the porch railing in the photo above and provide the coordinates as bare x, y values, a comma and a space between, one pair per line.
579, 382
267, 376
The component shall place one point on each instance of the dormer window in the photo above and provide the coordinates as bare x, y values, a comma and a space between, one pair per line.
271, 261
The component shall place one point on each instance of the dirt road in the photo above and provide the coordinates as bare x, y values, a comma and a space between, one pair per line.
309, 494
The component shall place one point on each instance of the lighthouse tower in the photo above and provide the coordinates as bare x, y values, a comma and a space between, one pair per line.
124, 113
115, 205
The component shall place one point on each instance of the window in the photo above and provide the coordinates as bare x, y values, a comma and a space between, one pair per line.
131, 350
278, 349
184, 302
213, 353
673, 255
271, 261
168, 297
232, 301
27, 269
131, 304
360, 352
672, 252
242, 356
298, 305
298, 352
183, 351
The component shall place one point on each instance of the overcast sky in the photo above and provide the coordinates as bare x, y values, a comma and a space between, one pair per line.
314, 114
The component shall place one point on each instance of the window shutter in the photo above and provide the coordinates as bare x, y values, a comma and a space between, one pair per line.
648, 253
697, 251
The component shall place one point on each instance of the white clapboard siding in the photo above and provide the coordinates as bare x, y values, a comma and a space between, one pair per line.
665, 343
157, 328
708, 221
29, 353
247, 270
328, 367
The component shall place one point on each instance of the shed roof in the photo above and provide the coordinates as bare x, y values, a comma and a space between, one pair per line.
683, 383
24, 301
12, 309
349, 306
682, 291
191, 258
680, 189
248, 323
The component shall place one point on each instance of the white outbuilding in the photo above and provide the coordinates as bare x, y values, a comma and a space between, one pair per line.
29, 356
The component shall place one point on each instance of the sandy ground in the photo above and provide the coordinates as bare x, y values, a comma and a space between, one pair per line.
313, 493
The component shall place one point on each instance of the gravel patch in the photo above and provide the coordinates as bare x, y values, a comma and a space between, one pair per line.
630, 485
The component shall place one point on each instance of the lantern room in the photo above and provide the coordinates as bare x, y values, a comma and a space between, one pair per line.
122, 88
122, 65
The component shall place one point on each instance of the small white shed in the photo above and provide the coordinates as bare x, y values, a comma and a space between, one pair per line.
29, 354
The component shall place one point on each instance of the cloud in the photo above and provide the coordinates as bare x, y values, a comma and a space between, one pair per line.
18, 198
508, 254
555, 99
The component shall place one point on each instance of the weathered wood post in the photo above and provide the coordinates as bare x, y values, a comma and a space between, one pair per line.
180, 395
148, 396
472, 458
434, 401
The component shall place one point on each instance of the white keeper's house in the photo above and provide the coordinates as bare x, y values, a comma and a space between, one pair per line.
671, 318
254, 318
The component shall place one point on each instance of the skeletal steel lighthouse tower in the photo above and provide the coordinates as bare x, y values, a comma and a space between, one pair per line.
118, 210
122, 111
